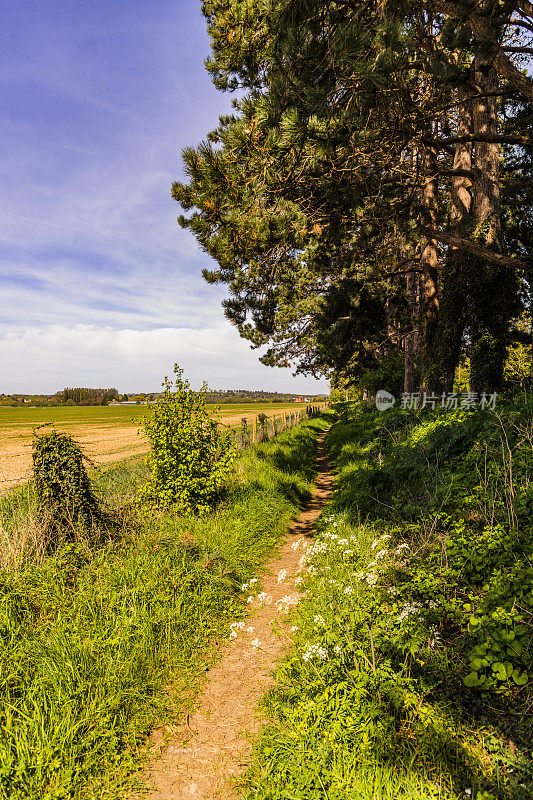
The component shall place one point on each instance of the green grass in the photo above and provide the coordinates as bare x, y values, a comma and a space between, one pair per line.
110, 415
420, 578
92, 638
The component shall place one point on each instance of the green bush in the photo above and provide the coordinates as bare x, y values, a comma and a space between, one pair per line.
191, 458
66, 505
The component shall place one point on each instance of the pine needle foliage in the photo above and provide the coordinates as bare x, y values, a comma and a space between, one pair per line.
191, 458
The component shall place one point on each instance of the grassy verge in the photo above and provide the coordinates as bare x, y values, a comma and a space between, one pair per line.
414, 650
91, 637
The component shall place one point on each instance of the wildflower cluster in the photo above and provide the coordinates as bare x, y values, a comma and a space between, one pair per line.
314, 651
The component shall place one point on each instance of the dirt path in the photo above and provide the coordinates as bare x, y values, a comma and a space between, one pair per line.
213, 748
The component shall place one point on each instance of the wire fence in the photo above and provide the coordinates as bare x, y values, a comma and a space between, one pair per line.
261, 428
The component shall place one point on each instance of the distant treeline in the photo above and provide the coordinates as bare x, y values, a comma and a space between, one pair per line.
86, 397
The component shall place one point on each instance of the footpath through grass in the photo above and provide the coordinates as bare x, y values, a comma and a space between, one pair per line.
91, 637
411, 675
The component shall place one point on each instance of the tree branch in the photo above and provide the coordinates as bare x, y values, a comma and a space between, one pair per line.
522, 83
526, 7
480, 137
528, 50
475, 249
471, 174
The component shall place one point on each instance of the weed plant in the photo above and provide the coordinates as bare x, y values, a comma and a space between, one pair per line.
411, 672
92, 636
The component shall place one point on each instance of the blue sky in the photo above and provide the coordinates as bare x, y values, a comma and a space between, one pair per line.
98, 284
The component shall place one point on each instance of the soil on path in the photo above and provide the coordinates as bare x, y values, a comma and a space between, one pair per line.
209, 752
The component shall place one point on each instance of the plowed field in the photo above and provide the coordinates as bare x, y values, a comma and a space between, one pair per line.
106, 434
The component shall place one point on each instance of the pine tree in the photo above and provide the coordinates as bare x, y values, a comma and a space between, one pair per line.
355, 201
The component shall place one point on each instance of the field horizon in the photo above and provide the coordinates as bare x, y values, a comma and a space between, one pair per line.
106, 433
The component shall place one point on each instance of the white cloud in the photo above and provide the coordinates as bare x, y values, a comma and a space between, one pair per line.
98, 284
47, 359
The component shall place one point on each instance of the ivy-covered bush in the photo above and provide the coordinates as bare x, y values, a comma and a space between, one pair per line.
191, 457
66, 505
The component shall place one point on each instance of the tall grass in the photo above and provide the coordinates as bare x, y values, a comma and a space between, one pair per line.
91, 637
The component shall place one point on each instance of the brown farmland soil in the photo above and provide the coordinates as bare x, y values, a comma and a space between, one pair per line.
209, 752
104, 443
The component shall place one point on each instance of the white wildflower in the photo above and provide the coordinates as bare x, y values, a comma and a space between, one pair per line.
379, 540
434, 638
314, 651
298, 581
233, 635
301, 563
409, 610
381, 554
400, 549
348, 553
282, 574
250, 599
256, 643
337, 649
294, 628
250, 629
319, 620
348, 590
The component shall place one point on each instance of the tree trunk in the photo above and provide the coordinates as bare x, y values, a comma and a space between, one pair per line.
429, 265
452, 317
488, 321
410, 344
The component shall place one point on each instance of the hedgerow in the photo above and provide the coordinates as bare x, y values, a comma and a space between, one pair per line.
411, 674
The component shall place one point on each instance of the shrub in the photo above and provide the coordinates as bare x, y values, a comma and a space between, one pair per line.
66, 505
191, 457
